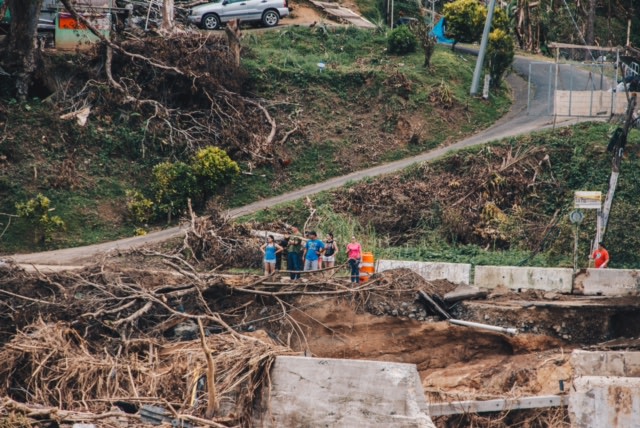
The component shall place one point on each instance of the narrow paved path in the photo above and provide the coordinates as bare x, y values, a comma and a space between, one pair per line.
514, 123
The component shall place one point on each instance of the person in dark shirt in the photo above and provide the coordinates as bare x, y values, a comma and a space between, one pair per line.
284, 243
294, 258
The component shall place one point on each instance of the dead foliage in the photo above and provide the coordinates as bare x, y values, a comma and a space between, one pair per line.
486, 198
214, 241
186, 91
536, 418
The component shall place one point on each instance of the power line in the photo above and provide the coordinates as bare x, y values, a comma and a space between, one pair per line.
575, 24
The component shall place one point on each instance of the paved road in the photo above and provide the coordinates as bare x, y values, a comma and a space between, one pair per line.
517, 122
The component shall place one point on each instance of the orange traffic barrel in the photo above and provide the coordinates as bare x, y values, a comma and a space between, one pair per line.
367, 267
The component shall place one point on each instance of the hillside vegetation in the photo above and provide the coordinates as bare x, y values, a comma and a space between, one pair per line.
366, 107
505, 203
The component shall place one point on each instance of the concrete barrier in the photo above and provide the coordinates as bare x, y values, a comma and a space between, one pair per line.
607, 282
605, 389
317, 392
515, 278
609, 363
458, 273
598, 401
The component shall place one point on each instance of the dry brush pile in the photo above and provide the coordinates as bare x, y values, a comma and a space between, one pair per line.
185, 89
491, 197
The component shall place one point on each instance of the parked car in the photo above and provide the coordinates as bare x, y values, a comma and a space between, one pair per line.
211, 15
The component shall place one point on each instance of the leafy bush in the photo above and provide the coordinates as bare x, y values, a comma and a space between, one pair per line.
466, 18
212, 167
36, 212
401, 40
174, 183
140, 208
499, 55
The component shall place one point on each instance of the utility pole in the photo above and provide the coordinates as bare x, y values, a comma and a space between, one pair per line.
433, 11
618, 150
483, 49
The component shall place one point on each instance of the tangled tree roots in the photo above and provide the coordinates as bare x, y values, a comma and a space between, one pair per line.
185, 91
51, 364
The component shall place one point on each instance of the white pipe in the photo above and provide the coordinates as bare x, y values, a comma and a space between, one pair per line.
508, 330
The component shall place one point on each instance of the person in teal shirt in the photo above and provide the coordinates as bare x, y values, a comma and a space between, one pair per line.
313, 249
270, 249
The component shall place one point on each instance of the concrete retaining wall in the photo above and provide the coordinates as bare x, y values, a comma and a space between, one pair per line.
315, 392
458, 273
608, 282
514, 278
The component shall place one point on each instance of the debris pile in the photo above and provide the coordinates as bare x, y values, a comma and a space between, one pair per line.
111, 341
154, 335
84, 342
214, 241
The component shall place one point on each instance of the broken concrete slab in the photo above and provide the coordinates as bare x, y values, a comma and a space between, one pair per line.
610, 363
342, 393
517, 278
458, 273
598, 401
344, 14
607, 282
464, 292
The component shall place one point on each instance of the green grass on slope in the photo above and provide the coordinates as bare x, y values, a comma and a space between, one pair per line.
353, 113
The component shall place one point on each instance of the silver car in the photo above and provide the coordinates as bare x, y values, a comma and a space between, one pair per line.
209, 16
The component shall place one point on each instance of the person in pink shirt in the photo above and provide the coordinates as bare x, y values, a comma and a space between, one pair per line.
354, 253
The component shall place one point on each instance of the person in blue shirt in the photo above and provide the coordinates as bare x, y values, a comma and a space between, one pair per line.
270, 249
313, 249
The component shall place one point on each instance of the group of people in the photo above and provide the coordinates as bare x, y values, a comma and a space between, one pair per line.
309, 255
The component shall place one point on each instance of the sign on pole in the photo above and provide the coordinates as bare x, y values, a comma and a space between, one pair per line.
588, 200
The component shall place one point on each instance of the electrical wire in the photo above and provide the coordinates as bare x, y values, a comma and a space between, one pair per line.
575, 24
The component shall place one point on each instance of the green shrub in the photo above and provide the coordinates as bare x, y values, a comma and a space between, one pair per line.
176, 183
140, 208
173, 183
401, 40
36, 212
212, 167
499, 55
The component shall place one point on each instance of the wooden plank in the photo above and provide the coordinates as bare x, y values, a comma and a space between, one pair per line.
499, 405
572, 46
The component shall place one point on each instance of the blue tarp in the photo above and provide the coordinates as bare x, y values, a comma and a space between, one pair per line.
438, 33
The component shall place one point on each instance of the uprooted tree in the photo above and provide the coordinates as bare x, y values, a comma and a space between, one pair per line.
185, 93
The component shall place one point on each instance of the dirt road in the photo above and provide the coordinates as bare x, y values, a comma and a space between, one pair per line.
514, 123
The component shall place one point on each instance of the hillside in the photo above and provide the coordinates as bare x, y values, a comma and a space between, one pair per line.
284, 122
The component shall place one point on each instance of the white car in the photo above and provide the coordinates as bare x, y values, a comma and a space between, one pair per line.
209, 16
